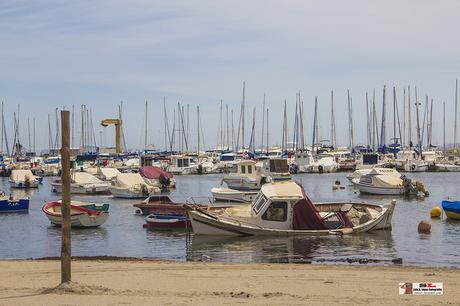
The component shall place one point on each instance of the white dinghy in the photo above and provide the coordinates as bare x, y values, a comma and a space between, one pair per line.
283, 209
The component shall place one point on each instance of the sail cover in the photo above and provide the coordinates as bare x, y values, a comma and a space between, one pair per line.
127, 180
151, 172
84, 178
22, 175
108, 173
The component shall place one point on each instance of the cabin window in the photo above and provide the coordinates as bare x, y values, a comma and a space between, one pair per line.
259, 202
249, 169
243, 169
179, 163
277, 211
186, 162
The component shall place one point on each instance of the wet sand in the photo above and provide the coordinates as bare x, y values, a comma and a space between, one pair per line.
147, 282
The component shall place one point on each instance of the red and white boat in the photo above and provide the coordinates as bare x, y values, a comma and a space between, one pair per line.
81, 214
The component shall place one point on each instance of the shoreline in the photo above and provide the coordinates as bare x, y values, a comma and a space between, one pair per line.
141, 281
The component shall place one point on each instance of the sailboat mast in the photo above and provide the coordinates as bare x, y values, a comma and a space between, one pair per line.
267, 133
198, 128
28, 135
455, 114
403, 137
368, 128
35, 150
263, 124
409, 117
418, 123
444, 125
394, 117
227, 127
333, 137
242, 115
146, 126
314, 125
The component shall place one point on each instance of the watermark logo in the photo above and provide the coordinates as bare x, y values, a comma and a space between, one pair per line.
421, 288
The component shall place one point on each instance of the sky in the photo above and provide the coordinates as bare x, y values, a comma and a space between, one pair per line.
56, 54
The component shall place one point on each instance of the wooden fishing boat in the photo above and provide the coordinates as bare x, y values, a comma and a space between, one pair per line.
81, 214
8, 204
166, 221
284, 209
452, 209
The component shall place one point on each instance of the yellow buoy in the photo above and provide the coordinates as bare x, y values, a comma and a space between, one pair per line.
436, 212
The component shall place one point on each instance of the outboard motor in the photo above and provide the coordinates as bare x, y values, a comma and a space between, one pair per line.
164, 181
293, 169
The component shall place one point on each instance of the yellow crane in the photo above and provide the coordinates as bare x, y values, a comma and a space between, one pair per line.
117, 123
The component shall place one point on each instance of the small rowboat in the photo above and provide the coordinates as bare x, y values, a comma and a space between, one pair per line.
165, 222
452, 209
81, 214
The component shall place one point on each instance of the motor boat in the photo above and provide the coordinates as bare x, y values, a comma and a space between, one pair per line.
81, 214
244, 176
182, 165
157, 177
24, 179
447, 167
131, 186
452, 209
83, 183
386, 181
282, 208
325, 163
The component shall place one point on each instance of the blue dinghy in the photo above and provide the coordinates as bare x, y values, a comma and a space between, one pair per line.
452, 209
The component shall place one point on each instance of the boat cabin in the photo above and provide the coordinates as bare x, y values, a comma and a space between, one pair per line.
245, 168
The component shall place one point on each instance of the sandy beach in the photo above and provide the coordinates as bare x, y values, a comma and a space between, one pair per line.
146, 282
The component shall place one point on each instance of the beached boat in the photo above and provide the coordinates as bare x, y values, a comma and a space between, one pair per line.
232, 195
81, 214
157, 177
8, 204
452, 209
166, 221
385, 181
131, 186
24, 179
83, 183
283, 209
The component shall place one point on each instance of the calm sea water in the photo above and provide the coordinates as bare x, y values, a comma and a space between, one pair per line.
31, 235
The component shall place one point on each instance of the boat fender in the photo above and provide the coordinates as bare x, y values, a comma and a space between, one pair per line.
320, 169
412, 167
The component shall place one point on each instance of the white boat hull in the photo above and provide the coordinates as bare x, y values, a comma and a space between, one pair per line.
81, 220
32, 184
447, 167
225, 194
78, 189
241, 183
378, 190
129, 193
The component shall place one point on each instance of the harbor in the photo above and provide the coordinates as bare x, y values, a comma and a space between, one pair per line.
207, 153
37, 238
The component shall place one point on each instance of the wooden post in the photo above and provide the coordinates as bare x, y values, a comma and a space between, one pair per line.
65, 179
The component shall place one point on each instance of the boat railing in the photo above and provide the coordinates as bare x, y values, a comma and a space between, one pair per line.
200, 201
